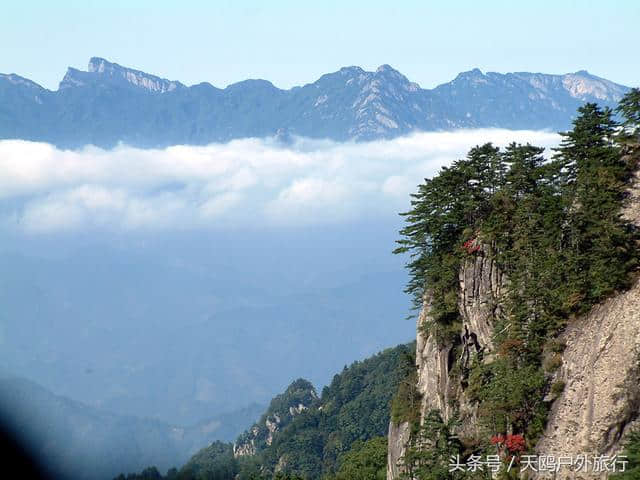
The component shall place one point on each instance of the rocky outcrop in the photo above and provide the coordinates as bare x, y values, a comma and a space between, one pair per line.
601, 374
247, 446
481, 287
398, 439
297, 398
273, 425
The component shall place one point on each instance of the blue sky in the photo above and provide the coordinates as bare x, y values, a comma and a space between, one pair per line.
294, 42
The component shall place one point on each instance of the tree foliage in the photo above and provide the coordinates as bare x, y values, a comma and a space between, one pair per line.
431, 448
364, 461
632, 453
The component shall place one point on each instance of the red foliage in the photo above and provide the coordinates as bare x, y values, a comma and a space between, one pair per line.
471, 246
513, 443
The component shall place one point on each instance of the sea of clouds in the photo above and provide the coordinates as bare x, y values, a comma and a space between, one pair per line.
244, 182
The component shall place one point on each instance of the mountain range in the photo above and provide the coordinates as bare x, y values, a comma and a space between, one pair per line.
109, 104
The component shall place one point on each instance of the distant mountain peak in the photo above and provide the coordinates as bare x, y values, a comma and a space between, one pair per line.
135, 77
474, 76
386, 68
252, 83
98, 65
586, 86
473, 73
100, 70
73, 78
352, 69
18, 80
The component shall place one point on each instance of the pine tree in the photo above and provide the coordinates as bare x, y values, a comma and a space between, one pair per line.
429, 452
599, 256
629, 108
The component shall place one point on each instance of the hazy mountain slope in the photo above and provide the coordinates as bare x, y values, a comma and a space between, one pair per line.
80, 442
180, 330
109, 103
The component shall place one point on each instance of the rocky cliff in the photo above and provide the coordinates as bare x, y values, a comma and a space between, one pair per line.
600, 366
481, 286
398, 438
601, 374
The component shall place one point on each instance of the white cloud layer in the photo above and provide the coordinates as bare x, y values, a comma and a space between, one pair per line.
256, 181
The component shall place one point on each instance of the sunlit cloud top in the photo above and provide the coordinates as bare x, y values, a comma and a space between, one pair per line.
251, 181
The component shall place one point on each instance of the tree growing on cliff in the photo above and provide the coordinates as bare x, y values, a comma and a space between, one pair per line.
555, 230
445, 211
600, 252
629, 108
432, 445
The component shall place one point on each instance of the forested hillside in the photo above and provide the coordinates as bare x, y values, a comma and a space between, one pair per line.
303, 435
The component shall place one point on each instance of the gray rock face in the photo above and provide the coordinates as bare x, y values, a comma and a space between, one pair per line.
433, 368
398, 439
601, 371
481, 289
481, 286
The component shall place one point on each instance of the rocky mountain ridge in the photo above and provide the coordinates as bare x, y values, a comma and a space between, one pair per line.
101, 70
298, 397
109, 104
